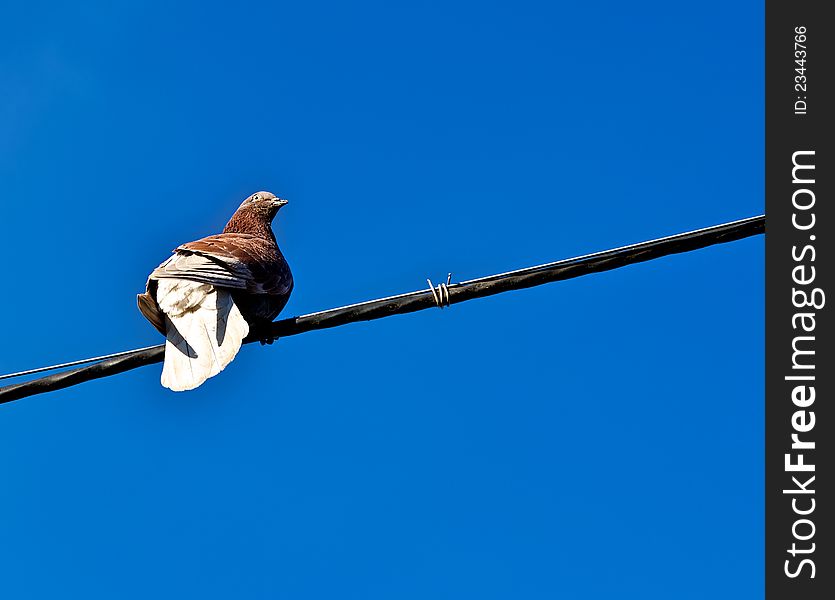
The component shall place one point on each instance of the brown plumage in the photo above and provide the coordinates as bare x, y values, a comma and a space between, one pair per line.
207, 296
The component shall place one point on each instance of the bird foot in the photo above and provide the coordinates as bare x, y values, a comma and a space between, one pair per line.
266, 341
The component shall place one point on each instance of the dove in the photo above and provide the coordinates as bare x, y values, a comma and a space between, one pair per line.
208, 296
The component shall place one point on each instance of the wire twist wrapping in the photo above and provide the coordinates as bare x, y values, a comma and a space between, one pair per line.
441, 295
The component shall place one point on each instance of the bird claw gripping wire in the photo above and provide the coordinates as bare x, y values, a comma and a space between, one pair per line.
441, 293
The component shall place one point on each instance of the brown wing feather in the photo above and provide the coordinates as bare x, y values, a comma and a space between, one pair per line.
150, 310
252, 267
268, 271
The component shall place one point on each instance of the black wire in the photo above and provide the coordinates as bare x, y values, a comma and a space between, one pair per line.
414, 301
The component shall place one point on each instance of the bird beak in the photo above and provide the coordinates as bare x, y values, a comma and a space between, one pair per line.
279, 202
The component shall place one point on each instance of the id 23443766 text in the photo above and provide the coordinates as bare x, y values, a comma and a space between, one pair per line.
800, 82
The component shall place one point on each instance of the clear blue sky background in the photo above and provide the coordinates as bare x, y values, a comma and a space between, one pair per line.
598, 438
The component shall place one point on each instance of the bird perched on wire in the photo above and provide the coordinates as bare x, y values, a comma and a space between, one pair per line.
207, 297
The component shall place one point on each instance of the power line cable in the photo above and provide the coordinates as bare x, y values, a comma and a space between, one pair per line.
74, 363
443, 294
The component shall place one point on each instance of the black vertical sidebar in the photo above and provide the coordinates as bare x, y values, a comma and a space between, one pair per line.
800, 268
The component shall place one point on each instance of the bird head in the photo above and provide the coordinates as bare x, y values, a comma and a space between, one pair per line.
263, 204
255, 215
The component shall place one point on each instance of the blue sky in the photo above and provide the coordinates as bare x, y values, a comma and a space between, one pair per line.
596, 438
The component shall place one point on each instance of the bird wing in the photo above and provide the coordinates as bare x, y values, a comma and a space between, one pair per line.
228, 260
189, 265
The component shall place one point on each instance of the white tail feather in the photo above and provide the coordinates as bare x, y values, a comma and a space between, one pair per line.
204, 331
